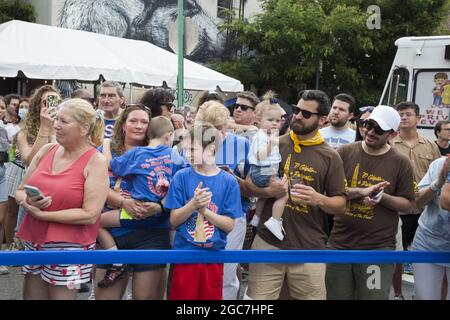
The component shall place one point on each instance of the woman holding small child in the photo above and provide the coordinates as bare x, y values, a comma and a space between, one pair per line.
138, 219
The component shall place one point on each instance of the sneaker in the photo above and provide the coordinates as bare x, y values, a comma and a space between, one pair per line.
111, 275
276, 227
399, 297
4, 270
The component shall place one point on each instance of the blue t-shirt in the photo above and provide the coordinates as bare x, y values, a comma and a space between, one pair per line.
109, 126
234, 154
225, 201
151, 170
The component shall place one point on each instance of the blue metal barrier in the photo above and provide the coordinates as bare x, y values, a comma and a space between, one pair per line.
14, 258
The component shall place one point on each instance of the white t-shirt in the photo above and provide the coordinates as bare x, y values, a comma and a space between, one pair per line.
12, 129
261, 140
336, 138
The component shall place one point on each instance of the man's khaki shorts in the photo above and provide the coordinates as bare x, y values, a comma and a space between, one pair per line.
305, 281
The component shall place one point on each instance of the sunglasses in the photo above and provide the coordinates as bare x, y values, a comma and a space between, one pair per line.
360, 122
243, 107
140, 106
305, 113
370, 124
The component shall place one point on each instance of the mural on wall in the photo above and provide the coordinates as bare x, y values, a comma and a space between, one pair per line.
149, 20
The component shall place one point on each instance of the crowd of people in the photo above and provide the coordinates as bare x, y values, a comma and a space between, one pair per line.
112, 175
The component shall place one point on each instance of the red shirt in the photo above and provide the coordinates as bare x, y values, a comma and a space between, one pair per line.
67, 191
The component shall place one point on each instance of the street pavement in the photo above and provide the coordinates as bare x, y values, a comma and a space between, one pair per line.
11, 286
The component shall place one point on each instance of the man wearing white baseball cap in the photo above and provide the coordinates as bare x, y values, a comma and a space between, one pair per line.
380, 184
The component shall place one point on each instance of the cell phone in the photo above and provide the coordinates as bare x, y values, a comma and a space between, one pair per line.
376, 194
32, 191
53, 102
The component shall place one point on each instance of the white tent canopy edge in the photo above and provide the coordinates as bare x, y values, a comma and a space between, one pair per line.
46, 52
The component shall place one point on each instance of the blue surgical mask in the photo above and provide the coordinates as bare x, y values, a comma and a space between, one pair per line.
23, 113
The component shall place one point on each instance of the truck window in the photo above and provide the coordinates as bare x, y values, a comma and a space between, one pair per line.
398, 87
432, 94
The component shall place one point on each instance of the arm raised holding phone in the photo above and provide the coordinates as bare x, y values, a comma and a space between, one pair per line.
38, 129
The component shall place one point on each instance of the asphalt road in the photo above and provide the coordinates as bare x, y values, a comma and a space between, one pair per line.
11, 286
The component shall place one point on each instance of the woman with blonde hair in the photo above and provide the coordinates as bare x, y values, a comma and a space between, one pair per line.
72, 177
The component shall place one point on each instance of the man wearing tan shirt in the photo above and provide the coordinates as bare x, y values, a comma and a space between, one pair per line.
421, 152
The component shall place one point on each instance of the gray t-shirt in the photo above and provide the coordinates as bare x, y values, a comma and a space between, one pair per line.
337, 138
433, 233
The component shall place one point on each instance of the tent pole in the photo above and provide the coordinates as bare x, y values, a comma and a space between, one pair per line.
180, 53
131, 93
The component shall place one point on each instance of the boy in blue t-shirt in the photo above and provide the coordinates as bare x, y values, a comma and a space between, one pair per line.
149, 171
204, 201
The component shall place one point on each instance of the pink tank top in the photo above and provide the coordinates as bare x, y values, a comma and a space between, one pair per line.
67, 191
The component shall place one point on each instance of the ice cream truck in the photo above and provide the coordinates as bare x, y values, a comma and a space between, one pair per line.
421, 73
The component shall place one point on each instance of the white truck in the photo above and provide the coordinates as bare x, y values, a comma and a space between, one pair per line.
421, 73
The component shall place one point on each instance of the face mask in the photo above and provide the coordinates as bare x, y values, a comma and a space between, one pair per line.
23, 113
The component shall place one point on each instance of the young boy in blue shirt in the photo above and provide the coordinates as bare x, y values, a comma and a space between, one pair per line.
150, 170
204, 201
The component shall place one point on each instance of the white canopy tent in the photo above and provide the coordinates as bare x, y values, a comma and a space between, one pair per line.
45, 52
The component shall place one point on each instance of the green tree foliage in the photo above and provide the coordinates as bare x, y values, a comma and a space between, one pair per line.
282, 47
16, 10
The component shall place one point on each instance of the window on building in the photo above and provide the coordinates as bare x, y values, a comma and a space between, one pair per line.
223, 8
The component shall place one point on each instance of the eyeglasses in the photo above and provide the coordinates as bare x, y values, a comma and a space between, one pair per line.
366, 109
370, 124
305, 113
139, 105
243, 107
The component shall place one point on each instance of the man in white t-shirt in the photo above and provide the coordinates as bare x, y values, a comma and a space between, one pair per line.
338, 133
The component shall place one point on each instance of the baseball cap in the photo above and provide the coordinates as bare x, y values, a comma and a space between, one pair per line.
386, 117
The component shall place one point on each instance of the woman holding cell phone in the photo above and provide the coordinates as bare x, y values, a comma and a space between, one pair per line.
38, 129
37, 132
66, 188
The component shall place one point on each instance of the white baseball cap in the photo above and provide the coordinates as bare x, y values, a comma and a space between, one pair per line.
386, 117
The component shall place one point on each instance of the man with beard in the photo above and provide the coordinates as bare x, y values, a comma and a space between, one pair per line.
381, 184
342, 109
312, 169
